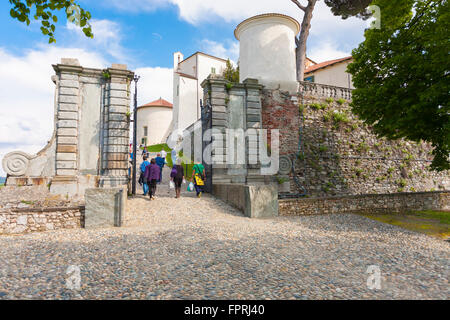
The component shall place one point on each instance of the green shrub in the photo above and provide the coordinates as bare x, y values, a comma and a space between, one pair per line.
363, 147
339, 117
341, 101
301, 108
402, 183
318, 106
329, 100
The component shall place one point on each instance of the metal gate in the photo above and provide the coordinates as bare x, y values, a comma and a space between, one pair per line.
206, 117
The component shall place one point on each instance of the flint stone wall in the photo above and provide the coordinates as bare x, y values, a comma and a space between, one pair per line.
28, 220
373, 203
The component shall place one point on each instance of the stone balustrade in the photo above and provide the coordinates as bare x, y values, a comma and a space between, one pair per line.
322, 90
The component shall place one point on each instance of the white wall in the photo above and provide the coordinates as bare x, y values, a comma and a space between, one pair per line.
157, 119
334, 75
188, 112
189, 67
267, 51
186, 100
205, 64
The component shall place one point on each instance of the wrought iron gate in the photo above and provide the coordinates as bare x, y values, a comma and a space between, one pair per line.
206, 117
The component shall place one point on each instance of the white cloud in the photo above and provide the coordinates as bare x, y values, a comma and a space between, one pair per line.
326, 50
229, 49
154, 83
346, 34
107, 38
137, 5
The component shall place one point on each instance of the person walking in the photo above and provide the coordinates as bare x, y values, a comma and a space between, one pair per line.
164, 155
141, 177
174, 155
198, 177
151, 176
160, 162
177, 176
145, 152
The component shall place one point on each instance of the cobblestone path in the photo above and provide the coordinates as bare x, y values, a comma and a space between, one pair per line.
193, 248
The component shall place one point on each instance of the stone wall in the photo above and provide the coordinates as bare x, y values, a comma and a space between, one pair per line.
374, 203
334, 153
89, 147
27, 220
255, 201
234, 106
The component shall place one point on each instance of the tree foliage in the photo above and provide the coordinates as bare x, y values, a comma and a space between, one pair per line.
401, 74
44, 11
349, 8
231, 73
343, 8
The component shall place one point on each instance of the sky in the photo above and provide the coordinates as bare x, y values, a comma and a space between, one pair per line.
143, 34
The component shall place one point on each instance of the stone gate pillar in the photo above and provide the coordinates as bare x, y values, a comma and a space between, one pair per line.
235, 107
68, 74
116, 132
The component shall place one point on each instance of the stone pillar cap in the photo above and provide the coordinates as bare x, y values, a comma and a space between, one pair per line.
119, 66
70, 61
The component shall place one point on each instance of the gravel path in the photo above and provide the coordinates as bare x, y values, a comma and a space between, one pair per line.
193, 248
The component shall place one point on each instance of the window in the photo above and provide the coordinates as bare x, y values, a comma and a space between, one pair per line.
145, 131
178, 90
144, 141
213, 70
309, 79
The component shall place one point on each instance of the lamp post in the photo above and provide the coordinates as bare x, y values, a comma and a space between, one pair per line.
133, 183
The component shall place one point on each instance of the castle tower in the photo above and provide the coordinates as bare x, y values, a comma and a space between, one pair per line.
267, 50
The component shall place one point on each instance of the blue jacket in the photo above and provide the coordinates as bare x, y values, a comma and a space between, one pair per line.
144, 165
160, 162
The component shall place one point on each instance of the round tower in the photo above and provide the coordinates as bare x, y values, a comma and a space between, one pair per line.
267, 50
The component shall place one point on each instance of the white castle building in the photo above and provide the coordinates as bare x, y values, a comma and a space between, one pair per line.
188, 74
154, 122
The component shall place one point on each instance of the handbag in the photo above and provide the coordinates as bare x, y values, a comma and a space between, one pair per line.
198, 180
171, 184
190, 187
173, 173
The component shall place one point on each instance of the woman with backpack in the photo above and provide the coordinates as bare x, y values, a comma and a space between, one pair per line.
198, 177
177, 176
151, 177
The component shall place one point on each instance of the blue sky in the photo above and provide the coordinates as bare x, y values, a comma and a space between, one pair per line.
143, 34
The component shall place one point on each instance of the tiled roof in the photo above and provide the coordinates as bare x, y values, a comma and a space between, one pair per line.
158, 103
326, 64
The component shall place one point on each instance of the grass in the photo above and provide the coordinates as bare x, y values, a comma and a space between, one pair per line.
158, 148
432, 223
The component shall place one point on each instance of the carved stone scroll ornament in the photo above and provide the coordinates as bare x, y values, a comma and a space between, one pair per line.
16, 163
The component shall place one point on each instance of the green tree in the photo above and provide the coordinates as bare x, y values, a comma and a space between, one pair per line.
44, 11
401, 74
344, 8
231, 73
